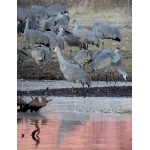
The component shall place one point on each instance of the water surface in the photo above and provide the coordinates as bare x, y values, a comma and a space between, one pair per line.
74, 131
75, 123
58, 84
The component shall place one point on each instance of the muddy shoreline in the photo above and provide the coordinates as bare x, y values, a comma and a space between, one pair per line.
113, 91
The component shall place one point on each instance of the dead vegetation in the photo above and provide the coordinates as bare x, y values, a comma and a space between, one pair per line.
34, 105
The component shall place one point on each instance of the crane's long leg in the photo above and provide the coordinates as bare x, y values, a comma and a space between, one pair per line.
106, 78
44, 68
114, 77
38, 72
86, 46
70, 54
126, 81
38, 65
110, 77
72, 88
98, 79
25, 42
83, 90
103, 45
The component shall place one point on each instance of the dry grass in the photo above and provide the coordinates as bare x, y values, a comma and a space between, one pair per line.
88, 16
110, 11
113, 18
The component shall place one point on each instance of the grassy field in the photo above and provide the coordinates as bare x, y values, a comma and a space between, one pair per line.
87, 17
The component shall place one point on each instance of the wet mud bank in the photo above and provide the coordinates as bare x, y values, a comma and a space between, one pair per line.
113, 91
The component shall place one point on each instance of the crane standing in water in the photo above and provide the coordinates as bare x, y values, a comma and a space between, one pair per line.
72, 72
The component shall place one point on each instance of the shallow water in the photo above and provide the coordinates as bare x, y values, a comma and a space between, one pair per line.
71, 123
75, 123
74, 131
87, 104
58, 84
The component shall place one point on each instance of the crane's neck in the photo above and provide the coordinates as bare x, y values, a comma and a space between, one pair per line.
60, 34
122, 72
60, 57
63, 63
75, 27
27, 25
116, 57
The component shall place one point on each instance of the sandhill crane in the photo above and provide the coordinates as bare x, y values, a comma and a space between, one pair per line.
83, 56
40, 54
84, 35
35, 36
40, 13
61, 20
49, 25
107, 59
21, 13
54, 9
21, 54
53, 24
32, 25
70, 40
54, 39
105, 31
72, 72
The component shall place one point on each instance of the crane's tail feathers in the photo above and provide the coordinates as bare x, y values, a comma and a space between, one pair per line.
118, 39
97, 45
125, 76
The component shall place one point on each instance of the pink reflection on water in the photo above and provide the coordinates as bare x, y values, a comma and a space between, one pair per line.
89, 134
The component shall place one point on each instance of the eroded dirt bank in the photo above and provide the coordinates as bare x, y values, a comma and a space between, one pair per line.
114, 91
